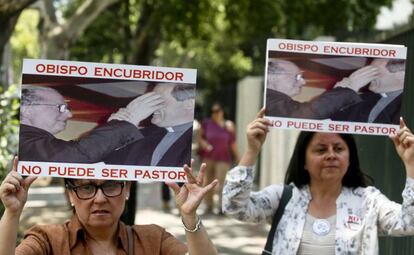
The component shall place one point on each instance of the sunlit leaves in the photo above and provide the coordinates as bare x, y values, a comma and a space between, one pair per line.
25, 40
9, 109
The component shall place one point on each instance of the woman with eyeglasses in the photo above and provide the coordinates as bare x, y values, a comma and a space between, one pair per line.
332, 208
95, 227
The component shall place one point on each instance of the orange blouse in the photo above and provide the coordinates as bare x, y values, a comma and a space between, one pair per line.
69, 238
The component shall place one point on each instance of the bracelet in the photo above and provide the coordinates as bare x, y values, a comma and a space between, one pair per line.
196, 228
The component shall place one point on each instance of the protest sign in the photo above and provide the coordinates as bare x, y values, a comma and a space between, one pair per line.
105, 121
334, 87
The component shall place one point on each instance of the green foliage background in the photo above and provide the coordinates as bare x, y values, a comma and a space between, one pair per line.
9, 123
224, 39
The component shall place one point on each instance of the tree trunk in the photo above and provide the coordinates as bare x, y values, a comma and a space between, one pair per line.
57, 38
147, 37
9, 14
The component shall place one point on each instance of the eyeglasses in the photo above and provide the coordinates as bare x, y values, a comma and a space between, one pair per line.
88, 191
215, 110
61, 107
298, 76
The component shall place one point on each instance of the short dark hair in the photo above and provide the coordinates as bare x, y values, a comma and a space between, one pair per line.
182, 92
297, 174
30, 94
278, 65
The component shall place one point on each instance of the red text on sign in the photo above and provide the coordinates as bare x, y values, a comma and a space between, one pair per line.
305, 125
31, 169
160, 174
114, 173
71, 171
338, 127
61, 69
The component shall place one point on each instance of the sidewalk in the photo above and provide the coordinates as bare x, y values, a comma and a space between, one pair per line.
47, 205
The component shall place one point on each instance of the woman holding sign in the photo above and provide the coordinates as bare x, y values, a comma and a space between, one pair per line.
95, 227
331, 209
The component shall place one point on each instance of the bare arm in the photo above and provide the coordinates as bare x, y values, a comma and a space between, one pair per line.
235, 152
13, 194
404, 145
256, 135
198, 242
233, 146
202, 143
395, 219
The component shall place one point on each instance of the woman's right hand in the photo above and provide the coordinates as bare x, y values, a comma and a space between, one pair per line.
13, 190
257, 131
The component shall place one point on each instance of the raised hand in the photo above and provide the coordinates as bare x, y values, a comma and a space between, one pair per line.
139, 108
404, 144
257, 131
145, 105
189, 196
359, 78
121, 114
13, 190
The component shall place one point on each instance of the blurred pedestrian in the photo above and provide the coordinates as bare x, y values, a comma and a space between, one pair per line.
217, 147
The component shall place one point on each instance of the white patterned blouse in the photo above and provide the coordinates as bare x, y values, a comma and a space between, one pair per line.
361, 213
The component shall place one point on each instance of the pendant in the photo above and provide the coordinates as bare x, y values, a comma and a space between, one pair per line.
321, 227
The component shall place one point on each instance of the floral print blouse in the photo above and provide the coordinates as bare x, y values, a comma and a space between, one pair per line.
361, 213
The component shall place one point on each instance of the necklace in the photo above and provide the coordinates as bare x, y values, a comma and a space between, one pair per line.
321, 227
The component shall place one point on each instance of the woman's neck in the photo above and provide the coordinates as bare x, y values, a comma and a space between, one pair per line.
219, 121
323, 203
102, 241
101, 235
325, 190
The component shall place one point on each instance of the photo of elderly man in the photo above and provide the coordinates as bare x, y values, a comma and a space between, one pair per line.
285, 80
44, 113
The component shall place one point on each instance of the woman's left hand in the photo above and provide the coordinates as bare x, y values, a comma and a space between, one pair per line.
189, 196
404, 144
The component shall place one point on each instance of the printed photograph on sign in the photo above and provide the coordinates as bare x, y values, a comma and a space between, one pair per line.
349, 88
81, 126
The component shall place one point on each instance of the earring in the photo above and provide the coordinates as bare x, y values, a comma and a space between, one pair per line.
72, 204
126, 198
